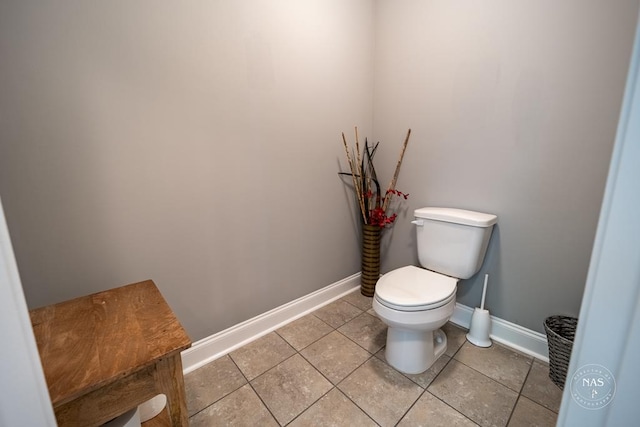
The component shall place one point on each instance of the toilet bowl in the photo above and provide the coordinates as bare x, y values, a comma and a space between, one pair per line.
414, 303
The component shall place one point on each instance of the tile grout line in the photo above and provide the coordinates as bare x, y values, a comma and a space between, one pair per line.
257, 376
232, 391
519, 393
296, 351
347, 396
253, 388
426, 390
495, 380
333, 386
371, 356
310, 405
513, 410
534, 400
454, 409
489, 378
218, 400
258, 394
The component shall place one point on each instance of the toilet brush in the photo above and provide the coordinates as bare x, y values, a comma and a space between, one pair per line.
480, 328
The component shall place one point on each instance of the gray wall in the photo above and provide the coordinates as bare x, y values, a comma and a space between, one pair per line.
198, 143
194, 143
514, 107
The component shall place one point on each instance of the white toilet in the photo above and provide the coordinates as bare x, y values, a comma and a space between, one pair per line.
415, 302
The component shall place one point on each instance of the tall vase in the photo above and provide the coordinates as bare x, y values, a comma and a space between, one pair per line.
370, 259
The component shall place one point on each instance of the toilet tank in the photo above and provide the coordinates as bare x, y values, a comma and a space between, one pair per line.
452, 241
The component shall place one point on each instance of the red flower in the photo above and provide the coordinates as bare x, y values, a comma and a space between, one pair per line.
379, 217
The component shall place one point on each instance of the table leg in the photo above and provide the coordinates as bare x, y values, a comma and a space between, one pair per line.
171, 382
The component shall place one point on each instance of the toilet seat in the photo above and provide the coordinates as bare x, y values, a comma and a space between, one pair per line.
412, 288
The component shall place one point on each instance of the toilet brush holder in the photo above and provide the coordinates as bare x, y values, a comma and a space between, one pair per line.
480, 328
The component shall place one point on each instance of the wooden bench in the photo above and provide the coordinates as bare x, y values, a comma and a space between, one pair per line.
106, 353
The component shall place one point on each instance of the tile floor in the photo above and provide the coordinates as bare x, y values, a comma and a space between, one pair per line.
328, 369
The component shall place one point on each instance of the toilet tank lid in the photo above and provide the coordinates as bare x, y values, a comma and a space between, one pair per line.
458, 216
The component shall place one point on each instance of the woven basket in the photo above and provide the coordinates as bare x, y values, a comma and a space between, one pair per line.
561, 330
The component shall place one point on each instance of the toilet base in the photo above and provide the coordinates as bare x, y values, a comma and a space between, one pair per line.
413, 352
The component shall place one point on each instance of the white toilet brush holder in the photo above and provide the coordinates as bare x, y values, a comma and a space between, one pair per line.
480, 328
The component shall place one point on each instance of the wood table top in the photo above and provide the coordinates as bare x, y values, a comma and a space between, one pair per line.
91, 341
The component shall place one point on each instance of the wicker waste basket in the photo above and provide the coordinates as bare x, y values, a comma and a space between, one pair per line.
561, 331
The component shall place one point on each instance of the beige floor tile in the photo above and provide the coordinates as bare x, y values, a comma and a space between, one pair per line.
290, 388
425, 378
456, 336
467, 385
529, 414
261, 355
483, 400
503, 365
240, 408
382, 392
539, 387
359, 300
335, 356
333, 410
429, 411
367, 331
213, 381
337, 313
303, 331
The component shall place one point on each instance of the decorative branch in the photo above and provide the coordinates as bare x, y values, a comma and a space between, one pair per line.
373, 205
356, 185
358, 147
392, 184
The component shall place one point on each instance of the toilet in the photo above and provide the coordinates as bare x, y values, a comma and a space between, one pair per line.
415, 302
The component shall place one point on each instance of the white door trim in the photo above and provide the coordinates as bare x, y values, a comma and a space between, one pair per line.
24, 397
608, 331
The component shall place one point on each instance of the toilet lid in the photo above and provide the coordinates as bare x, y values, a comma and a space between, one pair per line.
412, 289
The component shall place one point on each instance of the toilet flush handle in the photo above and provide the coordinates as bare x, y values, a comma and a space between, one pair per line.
418, 222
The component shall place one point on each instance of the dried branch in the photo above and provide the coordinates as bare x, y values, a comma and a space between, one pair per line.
356, 184
392, 184
359, 159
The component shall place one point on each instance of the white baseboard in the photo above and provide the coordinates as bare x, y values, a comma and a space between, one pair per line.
509, 334
217, 345
208, 349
